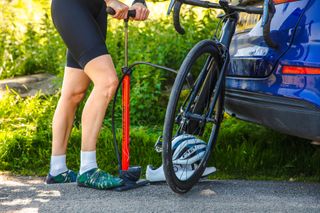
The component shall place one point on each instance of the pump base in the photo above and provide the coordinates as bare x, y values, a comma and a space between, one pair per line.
132, 174
131, 179
132, 185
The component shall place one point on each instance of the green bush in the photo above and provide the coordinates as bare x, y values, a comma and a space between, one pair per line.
37, 49
25, 132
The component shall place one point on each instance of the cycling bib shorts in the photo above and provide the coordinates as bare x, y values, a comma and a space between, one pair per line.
82, 25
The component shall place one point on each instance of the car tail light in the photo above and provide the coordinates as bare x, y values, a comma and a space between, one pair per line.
283, 1
300, 70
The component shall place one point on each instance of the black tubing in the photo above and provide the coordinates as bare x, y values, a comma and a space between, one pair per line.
114, 134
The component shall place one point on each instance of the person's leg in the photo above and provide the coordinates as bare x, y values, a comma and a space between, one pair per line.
85, 38
75, 84
74, 87
103, 75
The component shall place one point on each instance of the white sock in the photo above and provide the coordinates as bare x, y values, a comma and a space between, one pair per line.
58, 164
88, 161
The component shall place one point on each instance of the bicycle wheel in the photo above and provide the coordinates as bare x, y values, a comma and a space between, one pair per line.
190, 101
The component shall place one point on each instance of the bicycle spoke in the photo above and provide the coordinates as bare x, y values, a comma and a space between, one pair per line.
192, 119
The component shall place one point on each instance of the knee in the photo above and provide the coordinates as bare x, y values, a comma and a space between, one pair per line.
108, 87
73, 97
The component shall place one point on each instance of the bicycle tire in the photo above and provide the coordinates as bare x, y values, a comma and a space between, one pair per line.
179, 186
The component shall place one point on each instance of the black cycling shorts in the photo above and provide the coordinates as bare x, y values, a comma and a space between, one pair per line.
82, 25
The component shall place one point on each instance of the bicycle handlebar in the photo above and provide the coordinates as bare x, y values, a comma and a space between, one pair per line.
176, 18
267, 16
207, 4
269, 11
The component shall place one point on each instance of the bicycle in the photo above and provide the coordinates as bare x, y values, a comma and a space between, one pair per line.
195, 105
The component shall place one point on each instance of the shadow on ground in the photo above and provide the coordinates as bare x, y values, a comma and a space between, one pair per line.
29, 194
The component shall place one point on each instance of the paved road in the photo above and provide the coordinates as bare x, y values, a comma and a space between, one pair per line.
23, 194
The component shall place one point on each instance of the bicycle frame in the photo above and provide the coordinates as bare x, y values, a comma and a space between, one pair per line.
204, 102
228, 31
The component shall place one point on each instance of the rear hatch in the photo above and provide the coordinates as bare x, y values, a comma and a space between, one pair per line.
250, 56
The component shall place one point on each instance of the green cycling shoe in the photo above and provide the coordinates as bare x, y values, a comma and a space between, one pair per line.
98, 179
66, 177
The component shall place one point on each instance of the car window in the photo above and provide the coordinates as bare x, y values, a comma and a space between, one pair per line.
247, 21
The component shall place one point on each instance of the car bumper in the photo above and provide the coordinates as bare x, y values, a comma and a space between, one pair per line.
287, 115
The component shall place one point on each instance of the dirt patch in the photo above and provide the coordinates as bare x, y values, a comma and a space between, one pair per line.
31, 84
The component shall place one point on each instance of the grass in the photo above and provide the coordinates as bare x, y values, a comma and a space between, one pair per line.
246, 150
243, 151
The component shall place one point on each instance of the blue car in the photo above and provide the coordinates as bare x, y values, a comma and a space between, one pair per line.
278, 88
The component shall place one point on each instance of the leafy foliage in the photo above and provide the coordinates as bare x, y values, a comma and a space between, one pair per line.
30, 47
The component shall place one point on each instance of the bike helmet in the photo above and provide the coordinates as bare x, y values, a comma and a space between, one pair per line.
187, 154
187, 149
183, 172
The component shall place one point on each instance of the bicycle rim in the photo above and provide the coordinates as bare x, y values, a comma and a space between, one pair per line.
202, 65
